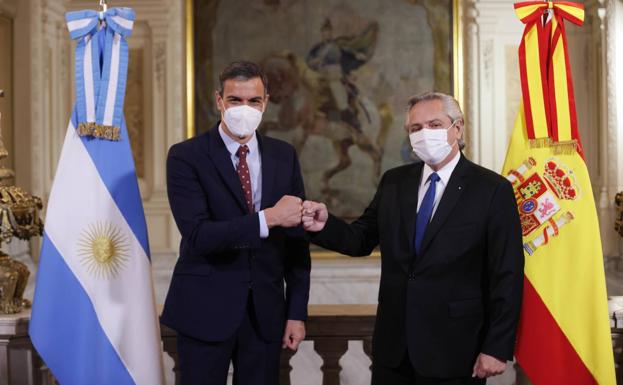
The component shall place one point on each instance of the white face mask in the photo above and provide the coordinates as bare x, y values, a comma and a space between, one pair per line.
243, 120
431, 145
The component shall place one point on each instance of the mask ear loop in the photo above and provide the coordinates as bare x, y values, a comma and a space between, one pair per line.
456, 141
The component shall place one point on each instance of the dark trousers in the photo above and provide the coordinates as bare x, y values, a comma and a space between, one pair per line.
405, 375
256, 362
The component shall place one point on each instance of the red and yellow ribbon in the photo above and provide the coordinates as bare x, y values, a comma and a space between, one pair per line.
546, 83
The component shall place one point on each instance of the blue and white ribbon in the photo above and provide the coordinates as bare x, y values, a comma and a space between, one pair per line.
101, 68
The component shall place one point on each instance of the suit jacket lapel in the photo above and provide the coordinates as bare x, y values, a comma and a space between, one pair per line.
222, 161
450, 197
408, 208
269, 165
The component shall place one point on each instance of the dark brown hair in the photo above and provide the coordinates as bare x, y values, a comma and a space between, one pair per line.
242, 70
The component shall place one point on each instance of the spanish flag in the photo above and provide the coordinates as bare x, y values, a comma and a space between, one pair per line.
564, 332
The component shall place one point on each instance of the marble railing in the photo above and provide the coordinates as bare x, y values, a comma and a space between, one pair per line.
616, 327
617, 344
329, 327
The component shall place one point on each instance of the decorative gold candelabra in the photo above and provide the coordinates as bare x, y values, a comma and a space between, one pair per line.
618, 222
19, 218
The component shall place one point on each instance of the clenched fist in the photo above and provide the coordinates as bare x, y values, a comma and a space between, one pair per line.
285, 213
315, 216
487, 366
293, 335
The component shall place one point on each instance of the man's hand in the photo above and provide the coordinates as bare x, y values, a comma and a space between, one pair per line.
315, 216
294, 334
285, 213
487, 366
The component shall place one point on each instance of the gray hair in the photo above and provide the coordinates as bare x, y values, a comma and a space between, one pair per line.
450, 106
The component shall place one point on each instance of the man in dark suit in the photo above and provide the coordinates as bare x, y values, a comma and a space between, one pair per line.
237, 197
451, 257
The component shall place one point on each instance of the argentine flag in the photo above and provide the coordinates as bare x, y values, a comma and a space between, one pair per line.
94, 318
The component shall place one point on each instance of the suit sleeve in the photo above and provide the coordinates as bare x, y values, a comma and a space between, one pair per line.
188, 200
298, 261
357, 239
505, 267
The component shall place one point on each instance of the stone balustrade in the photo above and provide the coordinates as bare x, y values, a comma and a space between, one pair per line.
329, 328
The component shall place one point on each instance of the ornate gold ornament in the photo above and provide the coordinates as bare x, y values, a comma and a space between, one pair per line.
618, 222
19, 218
99, 131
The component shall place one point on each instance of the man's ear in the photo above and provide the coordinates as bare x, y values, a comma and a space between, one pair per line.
461, 127
218, 99
266, 100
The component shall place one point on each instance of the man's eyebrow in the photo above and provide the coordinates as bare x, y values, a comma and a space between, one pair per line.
238, 98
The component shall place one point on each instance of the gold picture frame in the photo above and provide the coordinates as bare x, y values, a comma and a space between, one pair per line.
210, 7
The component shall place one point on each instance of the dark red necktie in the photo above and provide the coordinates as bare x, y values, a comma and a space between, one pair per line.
244, 175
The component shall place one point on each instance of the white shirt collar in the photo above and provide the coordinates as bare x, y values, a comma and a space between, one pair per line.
232, 145
444, 173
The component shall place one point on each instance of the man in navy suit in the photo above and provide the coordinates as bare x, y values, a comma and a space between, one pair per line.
237, 197
451, 257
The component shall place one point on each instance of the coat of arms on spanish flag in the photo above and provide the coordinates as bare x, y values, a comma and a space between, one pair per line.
564, 332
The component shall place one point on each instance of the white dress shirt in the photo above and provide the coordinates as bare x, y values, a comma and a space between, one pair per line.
254, 161
444, 177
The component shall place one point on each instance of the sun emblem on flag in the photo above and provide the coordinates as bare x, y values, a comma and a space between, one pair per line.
538, 194
103, 249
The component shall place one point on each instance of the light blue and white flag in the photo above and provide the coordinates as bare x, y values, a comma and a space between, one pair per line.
94, 318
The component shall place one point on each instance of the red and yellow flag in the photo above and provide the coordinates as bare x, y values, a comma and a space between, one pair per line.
564, 332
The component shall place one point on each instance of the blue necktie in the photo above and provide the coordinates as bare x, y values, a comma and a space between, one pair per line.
426, 211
